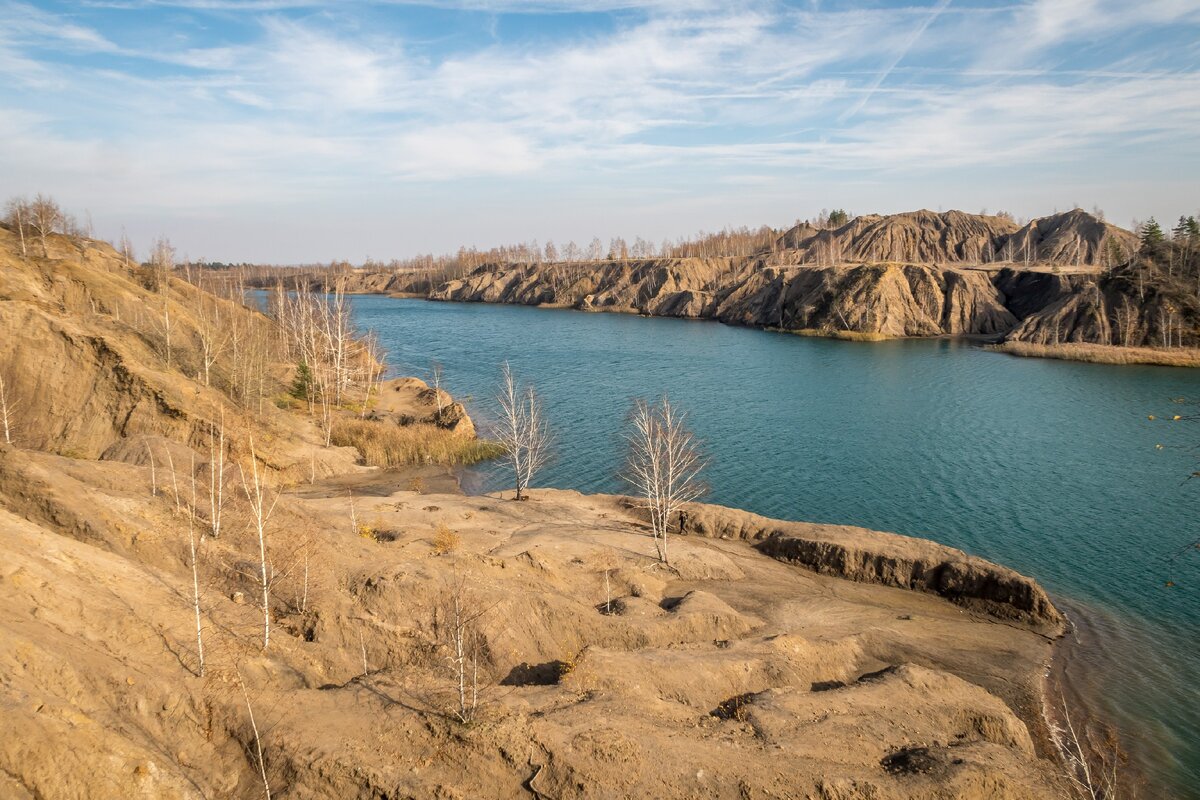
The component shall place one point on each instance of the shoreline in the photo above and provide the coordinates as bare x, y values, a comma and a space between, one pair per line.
1071, 684
1103, 354
1110, 355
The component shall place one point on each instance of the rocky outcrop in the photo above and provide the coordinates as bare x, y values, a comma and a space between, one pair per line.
405, 401
887, 299
889, 559
1057, 309
884, 299
915, 274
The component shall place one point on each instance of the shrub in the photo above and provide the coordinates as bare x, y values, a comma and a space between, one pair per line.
445, 540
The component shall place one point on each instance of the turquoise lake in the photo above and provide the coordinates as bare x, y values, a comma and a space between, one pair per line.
1049, 467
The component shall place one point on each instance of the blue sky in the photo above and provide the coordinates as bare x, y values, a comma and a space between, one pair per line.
296, 131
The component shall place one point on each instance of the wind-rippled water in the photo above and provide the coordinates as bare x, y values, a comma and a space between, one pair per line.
1049, 467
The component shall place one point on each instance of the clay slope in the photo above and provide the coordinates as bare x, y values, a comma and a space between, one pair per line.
97, 364
870, 557
1074, 237
885, 299
1118, 310
920, 237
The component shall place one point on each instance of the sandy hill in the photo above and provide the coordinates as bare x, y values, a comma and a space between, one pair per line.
955, 237
358, 636
99, 358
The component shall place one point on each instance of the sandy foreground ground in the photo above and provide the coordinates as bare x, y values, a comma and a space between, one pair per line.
593, 671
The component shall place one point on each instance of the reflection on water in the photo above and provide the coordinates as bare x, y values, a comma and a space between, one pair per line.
1049, 467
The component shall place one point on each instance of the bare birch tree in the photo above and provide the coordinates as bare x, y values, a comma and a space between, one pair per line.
126, 249
374, 366
522, 431
214, 337
18, 218
436, 380
8, 408
257, 496
162, 260
456, 620
45, 217
216, 476
195, 572
262, 764
1091, 766
664, 465
174, 478
153, 471
335, 362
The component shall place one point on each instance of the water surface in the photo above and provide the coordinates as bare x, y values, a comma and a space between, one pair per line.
1049, 467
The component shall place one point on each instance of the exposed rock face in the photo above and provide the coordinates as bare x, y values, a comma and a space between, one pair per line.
867, 556
1074, 237
886, 299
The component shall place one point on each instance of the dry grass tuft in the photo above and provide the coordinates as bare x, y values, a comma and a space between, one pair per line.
829, 333
1104, 353
384, 444
445, 540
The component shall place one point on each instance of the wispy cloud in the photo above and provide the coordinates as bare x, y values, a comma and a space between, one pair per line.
254, 103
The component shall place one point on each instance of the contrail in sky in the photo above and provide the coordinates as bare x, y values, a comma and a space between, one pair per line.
883, 75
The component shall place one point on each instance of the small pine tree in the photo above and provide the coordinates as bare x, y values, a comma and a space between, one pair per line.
1193, 229
838, 217
1180, 232
1153, 240
303, 381
1151, 234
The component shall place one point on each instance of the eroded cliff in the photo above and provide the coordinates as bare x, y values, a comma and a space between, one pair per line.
1054, 281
